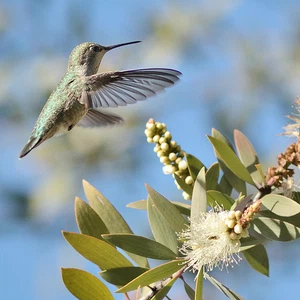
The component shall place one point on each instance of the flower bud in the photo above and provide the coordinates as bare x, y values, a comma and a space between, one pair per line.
189, 180
162, 140
156, 138
156, 148
178, 160
168, 135
168, 169
233, 236
172, 156
231, 214
164, 146
182, 165
149, 140
186, 196
164, 160
230, 223
238, 229
238, 214
160, 153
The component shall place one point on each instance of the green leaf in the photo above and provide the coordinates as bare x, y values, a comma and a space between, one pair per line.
121, 276
212, 176
296, 196
247, 155
140, 204
85, 286
188, 188
257, 258
141, 246
229, 180
168, 211
183, 208
238, 184
281, 205
199, 286
275, 229
110, 216
215, 198
227, 155
88, 221
250, 242
153, 275
225, 187
161, 230
194, 165
199, 203
224, 289
294, 220
219, 136
165, 290
98, 252
190, 292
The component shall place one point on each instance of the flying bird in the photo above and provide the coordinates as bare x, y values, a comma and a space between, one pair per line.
82, 94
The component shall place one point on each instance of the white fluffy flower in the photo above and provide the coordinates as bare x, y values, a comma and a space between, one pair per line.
208, 244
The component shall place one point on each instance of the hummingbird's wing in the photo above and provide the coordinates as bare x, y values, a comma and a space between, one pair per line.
120, 88
95, 118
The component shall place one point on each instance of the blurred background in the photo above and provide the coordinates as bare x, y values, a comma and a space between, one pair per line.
241, 69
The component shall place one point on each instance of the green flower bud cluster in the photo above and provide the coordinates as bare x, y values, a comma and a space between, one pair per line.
236, 230
169, 153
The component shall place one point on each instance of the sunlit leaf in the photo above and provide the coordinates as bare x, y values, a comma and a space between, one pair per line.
257, 258
155, 274
183, 208
227, 155
199, 286
294, 220
275, 229
121, 276
199, 202
215, 198
168, 211
165, 290
161, 230
112, 219
99, 252
85, 286
247, 155
224, 289
229, 180
281, 205
140, 245
140, 204
218, 135
194, 165
88, 221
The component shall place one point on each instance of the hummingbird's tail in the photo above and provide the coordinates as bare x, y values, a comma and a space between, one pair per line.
31, 144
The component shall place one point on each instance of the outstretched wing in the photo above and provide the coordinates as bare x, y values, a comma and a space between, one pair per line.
126, 87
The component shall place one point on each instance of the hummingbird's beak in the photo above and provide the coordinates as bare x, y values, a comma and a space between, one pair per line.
107, 48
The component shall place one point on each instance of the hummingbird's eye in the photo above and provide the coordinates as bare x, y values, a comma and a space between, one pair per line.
96, 48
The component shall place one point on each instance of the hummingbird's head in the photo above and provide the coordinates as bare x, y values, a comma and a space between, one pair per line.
87, 57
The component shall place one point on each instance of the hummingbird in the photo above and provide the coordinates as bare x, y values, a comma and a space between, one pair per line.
82, 93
